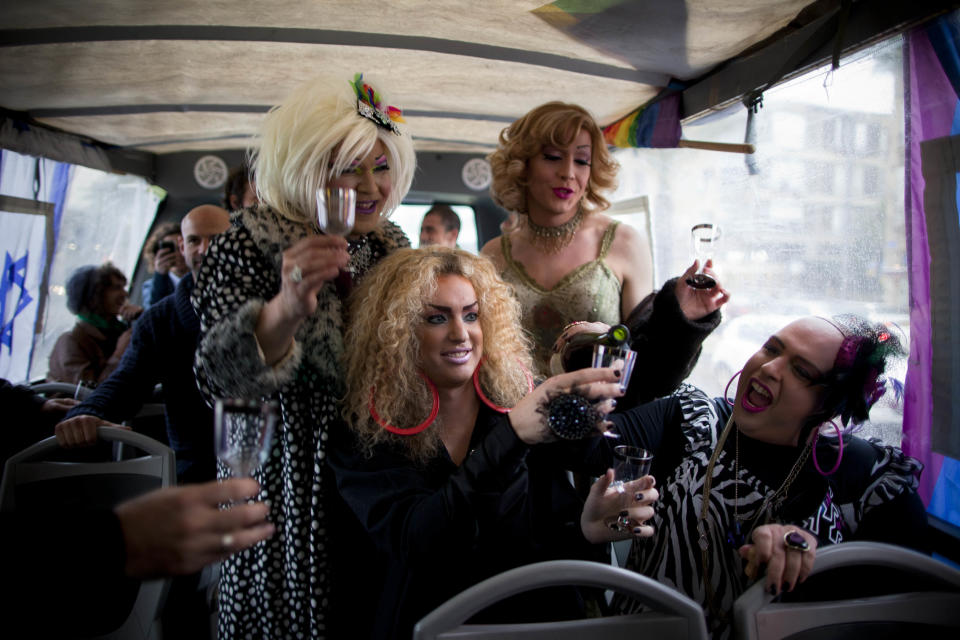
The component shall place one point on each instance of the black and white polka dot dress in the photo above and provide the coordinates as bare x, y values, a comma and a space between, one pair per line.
279, 588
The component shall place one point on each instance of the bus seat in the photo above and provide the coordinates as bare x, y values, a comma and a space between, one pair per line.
673, 614
66, 389
42, 477
857, 590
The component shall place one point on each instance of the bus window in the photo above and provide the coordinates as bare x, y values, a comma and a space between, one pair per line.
813, 223
105, 216
409, 216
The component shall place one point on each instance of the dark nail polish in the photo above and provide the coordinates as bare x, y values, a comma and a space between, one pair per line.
637, 531
786, 586
624, 514
772, 590
639, 496
617, 373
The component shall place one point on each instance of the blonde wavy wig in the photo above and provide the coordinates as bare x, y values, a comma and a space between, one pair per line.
557, 124
383, 353
316, 133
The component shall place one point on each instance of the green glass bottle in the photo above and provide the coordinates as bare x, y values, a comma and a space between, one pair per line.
577, 353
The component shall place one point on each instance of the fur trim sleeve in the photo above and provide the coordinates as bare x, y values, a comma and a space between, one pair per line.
233, 285
230, 357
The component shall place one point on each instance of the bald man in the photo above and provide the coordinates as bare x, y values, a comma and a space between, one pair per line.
161, 351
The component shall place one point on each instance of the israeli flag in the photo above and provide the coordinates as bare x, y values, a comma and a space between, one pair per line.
22, 255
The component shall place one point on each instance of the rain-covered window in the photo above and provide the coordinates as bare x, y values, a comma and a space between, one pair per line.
812, 223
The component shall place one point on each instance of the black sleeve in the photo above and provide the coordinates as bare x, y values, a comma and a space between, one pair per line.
667, 345
901, 521
160, 287
67, 573
23, 420
413, 510
20, 404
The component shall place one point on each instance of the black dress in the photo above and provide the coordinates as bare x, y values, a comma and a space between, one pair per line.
440, 528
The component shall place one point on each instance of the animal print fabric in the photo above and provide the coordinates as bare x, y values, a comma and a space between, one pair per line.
673, 556
280, 587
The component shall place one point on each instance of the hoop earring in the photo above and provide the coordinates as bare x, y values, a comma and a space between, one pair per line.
413, 430
813, 451
727, 388
483, 397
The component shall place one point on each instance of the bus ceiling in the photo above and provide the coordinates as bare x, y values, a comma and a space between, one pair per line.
97, 84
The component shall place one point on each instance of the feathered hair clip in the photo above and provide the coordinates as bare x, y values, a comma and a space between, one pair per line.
857, 380
369, 106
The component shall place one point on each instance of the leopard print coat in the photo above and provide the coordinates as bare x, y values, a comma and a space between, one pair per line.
279, 588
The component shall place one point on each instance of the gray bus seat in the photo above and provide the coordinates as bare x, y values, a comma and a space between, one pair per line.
41, 477
879, 590
673, 615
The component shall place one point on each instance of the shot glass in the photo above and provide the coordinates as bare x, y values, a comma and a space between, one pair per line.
630, 463
607, 356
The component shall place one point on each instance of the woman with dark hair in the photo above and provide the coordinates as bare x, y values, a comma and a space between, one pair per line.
90, 351
751, 483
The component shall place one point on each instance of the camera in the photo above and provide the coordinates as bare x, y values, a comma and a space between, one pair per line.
166, 244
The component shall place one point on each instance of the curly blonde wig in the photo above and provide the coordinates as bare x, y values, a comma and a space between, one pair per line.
316, 133
383, 352
557, 124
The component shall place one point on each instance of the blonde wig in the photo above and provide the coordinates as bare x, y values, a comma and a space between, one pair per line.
317, 133
557, 124
383, 352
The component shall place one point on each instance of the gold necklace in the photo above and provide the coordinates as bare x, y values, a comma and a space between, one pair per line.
553, 239
779, 497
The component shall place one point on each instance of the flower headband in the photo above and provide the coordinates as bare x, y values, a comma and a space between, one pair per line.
369, 106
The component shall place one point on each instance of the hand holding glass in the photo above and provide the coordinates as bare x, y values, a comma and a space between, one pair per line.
630, 463
243, 430
704, 238
336, 210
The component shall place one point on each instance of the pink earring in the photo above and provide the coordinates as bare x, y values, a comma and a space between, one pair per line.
727, 388
813, 446
413, 430
483, 397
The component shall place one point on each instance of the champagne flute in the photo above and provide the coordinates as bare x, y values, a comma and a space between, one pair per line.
336, 210
243, 430
704, 238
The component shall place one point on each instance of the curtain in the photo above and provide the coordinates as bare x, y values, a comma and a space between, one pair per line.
932, 114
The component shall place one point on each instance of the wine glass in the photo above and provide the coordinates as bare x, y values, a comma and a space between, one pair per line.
336, 210
704, 238
630, 463
243, 430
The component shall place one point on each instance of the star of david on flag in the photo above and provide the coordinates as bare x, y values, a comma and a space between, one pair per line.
14, 275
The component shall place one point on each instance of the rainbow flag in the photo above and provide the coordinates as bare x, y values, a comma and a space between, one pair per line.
655, 124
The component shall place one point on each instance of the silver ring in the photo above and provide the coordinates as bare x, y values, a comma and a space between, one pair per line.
226, 542
296, 274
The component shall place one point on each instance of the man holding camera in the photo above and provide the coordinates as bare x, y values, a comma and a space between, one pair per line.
169, 267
